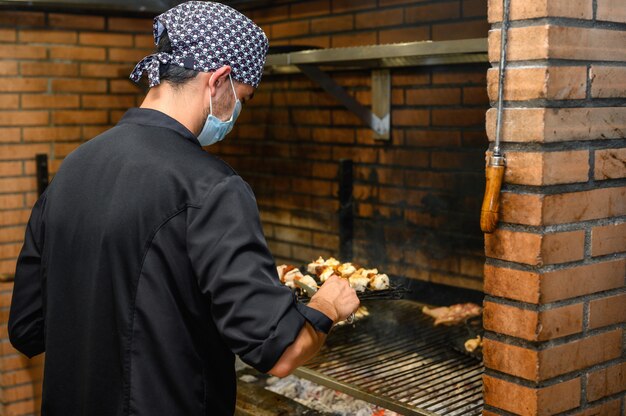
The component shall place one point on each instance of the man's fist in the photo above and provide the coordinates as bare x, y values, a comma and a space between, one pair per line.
337, 294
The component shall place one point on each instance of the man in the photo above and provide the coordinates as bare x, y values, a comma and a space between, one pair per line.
144, 268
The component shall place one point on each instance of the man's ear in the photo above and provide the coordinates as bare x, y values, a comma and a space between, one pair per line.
218, 78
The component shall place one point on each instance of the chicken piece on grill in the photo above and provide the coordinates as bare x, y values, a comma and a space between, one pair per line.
454, 314
379, 282
309, 281
473, 344
358, 282
326, 273
346, 270
332, 262
311, 268
290, 276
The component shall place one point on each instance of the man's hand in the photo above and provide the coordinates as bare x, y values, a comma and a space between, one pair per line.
335, 298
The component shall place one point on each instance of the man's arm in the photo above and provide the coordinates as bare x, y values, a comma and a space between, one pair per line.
26, 320
335, 299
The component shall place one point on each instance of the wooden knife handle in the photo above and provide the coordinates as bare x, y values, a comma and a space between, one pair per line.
491, 203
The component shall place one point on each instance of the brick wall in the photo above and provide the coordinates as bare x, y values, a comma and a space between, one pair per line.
418, 196
556, 304
63, 79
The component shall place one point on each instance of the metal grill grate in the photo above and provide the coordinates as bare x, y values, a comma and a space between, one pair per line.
395, 358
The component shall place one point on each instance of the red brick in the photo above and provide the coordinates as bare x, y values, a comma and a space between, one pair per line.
15, 18
552, 83
474, 8
105, 39
30, 101
108, 101
9, 202
122, 86
530, 401
23, 118
51, 134
309, 8
459, 117
332, 24
351, 5
64, 149
611, 11
144, 41
312, 116
354, 39
433, 96
511, 359
608, 81
23, 85
24, 184
433, 12
21, 408
475, 96
455, 76
48, 69
432, 138
124, 24
531, 9
609, 239
78, 53
7, 35
289, 29
607, 311
585, 205
609, 164
47, 36
10, 168
79, 117
9, 102
579, 354
533, 326
12, 234
76, 21
558, 42
547, 168
333, 135
128, 55
401, 157
8, 68
606, 382
79, 85
558, 124
535, 249
379, 18
105, 70
22, 52
605, 409
462, 30
408, 34
269, 14
15, 217
410, 117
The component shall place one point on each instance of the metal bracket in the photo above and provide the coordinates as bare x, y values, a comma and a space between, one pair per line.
379, 118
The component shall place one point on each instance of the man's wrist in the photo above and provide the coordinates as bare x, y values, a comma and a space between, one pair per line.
325, 307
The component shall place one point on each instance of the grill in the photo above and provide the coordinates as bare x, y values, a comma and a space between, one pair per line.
396, 359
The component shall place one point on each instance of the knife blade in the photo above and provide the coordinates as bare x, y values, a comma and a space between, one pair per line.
310, 291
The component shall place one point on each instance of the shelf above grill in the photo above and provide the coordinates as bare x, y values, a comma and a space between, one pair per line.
383, 56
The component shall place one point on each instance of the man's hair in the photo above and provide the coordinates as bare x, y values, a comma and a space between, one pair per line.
174, 74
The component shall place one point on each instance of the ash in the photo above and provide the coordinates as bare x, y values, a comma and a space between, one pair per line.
323, 399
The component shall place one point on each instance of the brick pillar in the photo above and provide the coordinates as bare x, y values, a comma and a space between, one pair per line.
555, 309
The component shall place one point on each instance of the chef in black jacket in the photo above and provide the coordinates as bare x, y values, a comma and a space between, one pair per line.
144, 268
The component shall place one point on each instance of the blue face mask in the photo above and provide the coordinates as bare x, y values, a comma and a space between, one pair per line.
215, 129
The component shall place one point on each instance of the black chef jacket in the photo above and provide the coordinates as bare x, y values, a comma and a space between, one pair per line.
144, 271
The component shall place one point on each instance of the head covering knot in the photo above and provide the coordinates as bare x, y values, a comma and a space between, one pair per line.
204, 37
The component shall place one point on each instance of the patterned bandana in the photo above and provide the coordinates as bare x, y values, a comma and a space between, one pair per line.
206, 36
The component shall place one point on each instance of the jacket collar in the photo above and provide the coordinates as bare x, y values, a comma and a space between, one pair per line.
150, 117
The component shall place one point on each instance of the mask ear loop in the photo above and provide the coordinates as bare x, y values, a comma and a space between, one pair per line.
235, 94
210, 94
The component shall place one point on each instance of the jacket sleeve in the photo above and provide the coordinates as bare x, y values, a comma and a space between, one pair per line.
255, 314
26, 318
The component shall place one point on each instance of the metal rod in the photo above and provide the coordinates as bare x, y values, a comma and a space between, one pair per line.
502, 67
